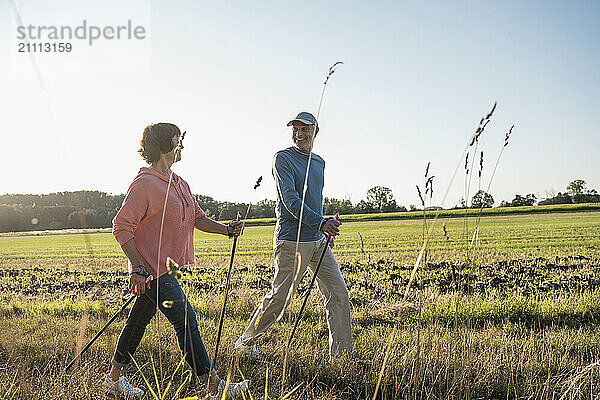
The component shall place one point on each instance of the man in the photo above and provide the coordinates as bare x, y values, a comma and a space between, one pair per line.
289, 172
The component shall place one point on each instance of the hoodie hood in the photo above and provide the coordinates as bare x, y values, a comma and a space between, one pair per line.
154, 172
176, 183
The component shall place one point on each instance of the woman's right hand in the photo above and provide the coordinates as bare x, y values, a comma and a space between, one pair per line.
236, 228
138, 284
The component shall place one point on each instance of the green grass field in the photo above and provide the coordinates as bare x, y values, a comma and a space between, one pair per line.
518, 319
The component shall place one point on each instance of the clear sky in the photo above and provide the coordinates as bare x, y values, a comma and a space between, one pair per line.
417, 77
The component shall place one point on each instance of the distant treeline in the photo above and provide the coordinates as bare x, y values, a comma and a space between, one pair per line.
95, 209
575, 193
82, 209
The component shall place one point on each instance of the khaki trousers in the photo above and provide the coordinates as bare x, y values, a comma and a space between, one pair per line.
329, 282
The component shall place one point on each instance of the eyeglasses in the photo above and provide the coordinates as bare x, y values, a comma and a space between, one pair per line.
304, 129
180, 140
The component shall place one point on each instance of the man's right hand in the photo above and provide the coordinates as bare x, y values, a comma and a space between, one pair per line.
331, 227
137, 284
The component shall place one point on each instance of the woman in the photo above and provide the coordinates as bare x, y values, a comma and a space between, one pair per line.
151, 226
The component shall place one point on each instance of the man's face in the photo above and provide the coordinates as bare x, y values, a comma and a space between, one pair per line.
303, 136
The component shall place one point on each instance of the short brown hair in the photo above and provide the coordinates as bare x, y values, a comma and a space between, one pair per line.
157, 139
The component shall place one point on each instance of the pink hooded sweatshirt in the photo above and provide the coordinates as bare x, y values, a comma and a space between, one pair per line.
140, 218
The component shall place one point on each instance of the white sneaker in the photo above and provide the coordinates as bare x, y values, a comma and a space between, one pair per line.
122, 389
234, 390
247, 350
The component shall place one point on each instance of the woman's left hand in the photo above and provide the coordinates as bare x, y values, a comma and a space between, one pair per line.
237, 227
138, 284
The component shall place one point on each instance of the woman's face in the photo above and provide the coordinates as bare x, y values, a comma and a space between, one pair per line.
178, 147
174, 155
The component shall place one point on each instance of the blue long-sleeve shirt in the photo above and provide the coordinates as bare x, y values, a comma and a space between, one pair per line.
289, 172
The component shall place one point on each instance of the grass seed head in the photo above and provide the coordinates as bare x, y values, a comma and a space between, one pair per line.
362, 245
331, 71
481, 163
507, 136
445, 231
258, 181
173, 268
429, 186
482, 124
492, 111
420, 196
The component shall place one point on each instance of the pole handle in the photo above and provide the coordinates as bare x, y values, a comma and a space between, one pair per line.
337, 218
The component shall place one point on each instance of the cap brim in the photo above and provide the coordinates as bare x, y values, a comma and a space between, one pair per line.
304, 121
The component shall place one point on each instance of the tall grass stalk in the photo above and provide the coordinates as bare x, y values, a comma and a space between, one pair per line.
173, 269
385, 360
83, 324
428, 184
160, 233
304, 188
267, 383
362, 248
467, 184
158, 394
417, 263
54, 126
256, 185
506, 140
482, 124
12, 389
575, 382
286, 396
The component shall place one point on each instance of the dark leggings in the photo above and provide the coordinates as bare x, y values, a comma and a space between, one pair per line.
173, 304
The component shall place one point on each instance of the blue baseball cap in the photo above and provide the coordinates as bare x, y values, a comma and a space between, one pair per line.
306, 118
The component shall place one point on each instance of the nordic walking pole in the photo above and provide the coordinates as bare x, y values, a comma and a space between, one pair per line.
226, 294
312, 282
256, 185
110, 321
